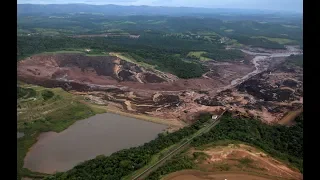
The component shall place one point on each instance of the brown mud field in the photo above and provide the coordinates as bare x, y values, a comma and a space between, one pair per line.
131, 88
234, 162
197, 175
99, 71
243, 158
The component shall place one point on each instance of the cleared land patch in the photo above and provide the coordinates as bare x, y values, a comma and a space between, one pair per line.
279, 40
198, 55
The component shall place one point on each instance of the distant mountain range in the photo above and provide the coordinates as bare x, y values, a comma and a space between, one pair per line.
25, 9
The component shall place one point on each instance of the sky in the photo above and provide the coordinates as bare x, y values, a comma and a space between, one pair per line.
278, 5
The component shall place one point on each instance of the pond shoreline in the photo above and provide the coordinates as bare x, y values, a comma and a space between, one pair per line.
85, 139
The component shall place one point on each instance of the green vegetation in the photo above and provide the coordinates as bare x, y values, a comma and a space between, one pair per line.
257, 42
176, 163
295, 60
280, 40
223, 166
42, 110
25, 93
156, 54
124, 162
285, 143
155, 158
200, 156
245, 161
225, 55
46, 94
281, 142
172, 44
198, 55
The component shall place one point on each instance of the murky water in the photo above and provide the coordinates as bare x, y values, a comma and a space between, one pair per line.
84, 140
19, 135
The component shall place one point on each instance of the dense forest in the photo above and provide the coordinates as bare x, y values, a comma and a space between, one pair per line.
282, 142
295, 60
111, 10
176, 163
86, 23
124, 162
257, 42
223, 55
191, 27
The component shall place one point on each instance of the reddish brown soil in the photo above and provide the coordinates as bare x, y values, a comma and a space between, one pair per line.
198, 175
220, 157
132, 88
102, 70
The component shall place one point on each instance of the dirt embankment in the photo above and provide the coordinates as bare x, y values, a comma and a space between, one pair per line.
236, 159
198, 175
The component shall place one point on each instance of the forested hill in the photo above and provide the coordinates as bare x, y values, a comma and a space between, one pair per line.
111, 10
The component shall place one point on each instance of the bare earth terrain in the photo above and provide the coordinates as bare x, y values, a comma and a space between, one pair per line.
236, 161
261, 87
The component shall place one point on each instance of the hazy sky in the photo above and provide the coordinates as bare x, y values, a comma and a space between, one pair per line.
287, 5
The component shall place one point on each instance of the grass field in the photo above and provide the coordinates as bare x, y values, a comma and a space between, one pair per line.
40, 111
282, 41
198, 54
228, 30
234, 43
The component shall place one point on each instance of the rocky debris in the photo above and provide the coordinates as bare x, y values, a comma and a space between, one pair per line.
168, 100
152, 78
208, 101
130, 66
125, 75
115, 90
290, 83
260, 89
95, 99
213, 74
226, 92
203, 92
